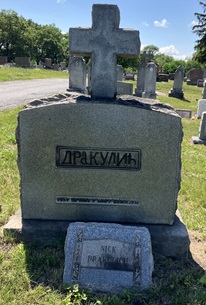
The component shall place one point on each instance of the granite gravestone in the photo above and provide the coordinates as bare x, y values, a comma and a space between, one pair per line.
124, 88
120, 73
193, 75
104, 41
77, 74
108, 257
111, 160
177, 90
201, 107
150, 81
48, 63
201, 138
141, 77
23, 62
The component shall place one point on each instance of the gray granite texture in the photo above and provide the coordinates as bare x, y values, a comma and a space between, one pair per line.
201, 139
108, 257
124, 88
201, 107
104, 41
115, 160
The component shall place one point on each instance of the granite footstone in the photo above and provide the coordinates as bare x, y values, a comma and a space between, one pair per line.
108, 257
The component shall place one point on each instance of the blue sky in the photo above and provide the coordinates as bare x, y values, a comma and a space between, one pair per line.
165, 24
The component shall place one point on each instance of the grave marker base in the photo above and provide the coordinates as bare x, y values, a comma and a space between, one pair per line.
167, 240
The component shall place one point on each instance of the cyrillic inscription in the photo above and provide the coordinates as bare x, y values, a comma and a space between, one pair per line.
125, 159
94, 201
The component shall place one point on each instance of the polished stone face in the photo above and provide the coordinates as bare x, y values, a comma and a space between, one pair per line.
108, 257
99, 160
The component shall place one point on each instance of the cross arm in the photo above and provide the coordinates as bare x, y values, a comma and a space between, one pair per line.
79, 41
127, 42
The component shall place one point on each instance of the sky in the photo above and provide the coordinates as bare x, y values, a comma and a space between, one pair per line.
165, 24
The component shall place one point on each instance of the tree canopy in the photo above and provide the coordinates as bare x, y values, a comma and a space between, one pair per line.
21, 37
200, 30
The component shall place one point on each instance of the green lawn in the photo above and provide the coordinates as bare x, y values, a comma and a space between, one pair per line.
13, 73
32, 274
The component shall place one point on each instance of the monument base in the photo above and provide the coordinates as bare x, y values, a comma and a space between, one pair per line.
177, 94
197, 140
167, 240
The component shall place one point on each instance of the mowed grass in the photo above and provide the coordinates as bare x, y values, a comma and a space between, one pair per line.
13, 73
32, 273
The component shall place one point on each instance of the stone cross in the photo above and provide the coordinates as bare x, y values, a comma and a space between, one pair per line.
104, 41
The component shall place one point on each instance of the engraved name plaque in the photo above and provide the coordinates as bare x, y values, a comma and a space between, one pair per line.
101, 158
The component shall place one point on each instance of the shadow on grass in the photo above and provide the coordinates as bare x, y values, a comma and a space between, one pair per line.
174, 282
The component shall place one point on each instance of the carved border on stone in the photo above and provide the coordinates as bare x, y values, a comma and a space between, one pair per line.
137, 260
77, 255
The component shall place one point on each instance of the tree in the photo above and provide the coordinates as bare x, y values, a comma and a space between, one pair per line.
200, 30
151, 51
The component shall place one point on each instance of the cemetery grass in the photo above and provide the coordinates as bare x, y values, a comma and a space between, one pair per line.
13, 73
32, 273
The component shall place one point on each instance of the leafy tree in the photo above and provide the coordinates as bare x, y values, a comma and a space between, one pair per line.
151, 51
200, 30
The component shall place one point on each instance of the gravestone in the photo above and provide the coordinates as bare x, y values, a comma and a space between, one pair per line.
104, 41
23, 62
48, 63
201, 138
184, 113
77, 74
177, 90
124, 88
108, 257
150, 81
99, 159
141, 76
204, 92
200, 82
193, 75
3, 60
63, 66
129, 76
55, 67
120, 73
201, 107
89, 170
41, 65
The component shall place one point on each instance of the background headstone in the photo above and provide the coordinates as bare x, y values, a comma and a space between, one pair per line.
120, 73
108, 257
193, 75
3, 60
48, 63
63, 65
201, 107
23, 62
177, 90
124, 88
201, 139
141, 77
77, 74
150, 81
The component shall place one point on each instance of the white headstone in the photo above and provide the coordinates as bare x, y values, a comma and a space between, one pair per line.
150, 81
77, 74
201, 107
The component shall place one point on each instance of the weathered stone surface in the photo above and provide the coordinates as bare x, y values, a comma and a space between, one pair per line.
124, 88
104, 41
108, 257
177, 90
201, 139
201, 107
150, 81
120, 73
76, 163
77, 74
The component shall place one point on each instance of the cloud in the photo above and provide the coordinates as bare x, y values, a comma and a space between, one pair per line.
61, 1
145, 23
191, 24
161, 24
172, 51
